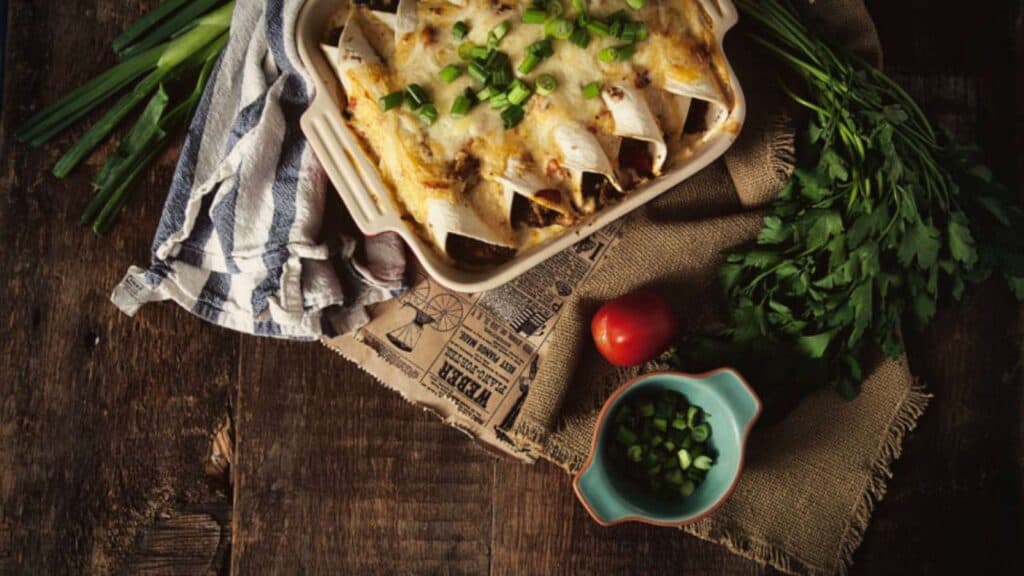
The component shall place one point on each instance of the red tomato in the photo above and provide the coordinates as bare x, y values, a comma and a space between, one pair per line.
634, 328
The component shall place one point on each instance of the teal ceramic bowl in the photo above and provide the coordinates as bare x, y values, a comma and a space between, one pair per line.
734, 408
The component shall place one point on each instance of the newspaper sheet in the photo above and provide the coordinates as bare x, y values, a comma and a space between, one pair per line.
471, 357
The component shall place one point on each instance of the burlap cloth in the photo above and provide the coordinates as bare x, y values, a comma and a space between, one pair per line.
811, 479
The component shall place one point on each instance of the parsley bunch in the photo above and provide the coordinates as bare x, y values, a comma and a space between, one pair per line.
882, 221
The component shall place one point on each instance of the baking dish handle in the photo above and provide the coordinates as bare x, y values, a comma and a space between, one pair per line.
723, 16
356, 178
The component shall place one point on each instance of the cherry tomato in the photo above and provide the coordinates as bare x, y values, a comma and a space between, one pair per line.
634, 328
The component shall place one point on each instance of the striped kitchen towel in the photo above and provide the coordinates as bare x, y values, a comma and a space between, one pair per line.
239, 240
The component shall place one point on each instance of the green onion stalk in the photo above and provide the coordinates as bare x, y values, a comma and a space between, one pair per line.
176, 44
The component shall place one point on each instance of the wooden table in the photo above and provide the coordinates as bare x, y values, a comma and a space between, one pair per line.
107, 422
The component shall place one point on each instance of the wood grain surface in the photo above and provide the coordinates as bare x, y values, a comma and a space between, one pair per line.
106, 422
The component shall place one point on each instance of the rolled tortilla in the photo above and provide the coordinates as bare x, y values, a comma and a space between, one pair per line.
581, 152
406, 18
445, 218
634, 119
520, 178
353, 51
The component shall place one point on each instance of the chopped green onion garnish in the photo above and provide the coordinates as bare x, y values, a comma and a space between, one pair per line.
501, 72
417, 96
486, 94
626, 436
591, 91
478, 71
449, 73
635, 4
546, 84
499, 101
580, 37
672, 464
534, 16
702, 462
598, 28
461, 106
466, 50
692, 416
528, 63
460, 29
700, 432
391, 101
615, 28
498, 33
497, 59
554, 8
687, 488
559, 28
427, 113
579, 6
481, 52
542, 48
519, 92
619, 16
684, 458
512, 116
629, 31
616, 53
641, 32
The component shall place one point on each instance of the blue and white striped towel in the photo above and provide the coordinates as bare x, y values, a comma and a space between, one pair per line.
238, 241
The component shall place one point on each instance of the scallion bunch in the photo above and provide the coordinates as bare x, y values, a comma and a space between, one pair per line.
168, 55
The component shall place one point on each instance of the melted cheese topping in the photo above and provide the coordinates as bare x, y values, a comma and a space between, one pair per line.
422, 162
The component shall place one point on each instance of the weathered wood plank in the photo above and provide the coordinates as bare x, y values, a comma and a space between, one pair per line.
104, 420
335, 475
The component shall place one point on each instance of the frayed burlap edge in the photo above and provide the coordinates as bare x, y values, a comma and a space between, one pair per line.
903, 422
783, 147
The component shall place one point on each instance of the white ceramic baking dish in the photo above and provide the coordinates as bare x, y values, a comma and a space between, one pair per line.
372, 205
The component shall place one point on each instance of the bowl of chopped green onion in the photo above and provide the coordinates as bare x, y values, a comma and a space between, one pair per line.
668, 448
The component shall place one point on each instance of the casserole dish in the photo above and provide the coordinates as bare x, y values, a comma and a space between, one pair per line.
376, 207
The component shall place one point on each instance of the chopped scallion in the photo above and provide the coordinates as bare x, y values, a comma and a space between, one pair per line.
554, 8
580, 37
534, 16
700, 432
480, 52
449, 73
591, 91
635, 4
478, 72
519, 92
559, 28
546, 84
616, 53
392, 101
461, 106
466, 50
486, 94
598, 28
580, 6
427, 113
417, 96
499, 101
542, 48
460, 29
512, 116
499, 32
528, 64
